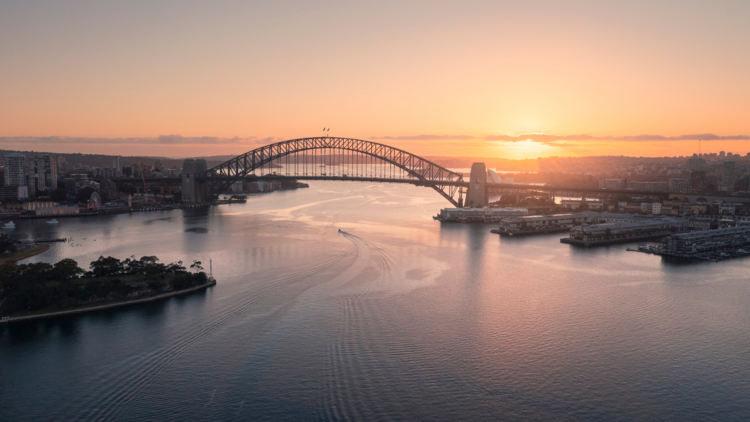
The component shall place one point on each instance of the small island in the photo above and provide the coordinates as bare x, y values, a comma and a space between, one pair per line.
37, 290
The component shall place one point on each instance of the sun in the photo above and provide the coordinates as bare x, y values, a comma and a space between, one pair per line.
525, 149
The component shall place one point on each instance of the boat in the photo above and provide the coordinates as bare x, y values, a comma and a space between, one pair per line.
53, 221
10, 225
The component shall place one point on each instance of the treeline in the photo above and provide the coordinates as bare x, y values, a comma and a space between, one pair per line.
32, 287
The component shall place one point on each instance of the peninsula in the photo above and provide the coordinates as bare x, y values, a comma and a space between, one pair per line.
37, 290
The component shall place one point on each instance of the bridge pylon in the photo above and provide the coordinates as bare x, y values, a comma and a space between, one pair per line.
193, 190
477, 195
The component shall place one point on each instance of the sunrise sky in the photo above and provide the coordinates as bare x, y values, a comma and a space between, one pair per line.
471, 78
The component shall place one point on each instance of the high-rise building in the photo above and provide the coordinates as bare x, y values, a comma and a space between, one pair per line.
117, 166
727, 180
42, 173
696, 163
722, 154
15, 169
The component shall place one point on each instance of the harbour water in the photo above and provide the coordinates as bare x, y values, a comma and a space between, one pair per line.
399, 317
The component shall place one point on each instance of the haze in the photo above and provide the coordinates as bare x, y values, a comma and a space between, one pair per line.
469, 78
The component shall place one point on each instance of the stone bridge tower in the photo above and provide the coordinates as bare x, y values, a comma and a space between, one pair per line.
193, 191
477, 195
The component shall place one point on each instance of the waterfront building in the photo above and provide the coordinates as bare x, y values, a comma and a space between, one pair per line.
656, 208
702, 241
57, 211
609, 233
34, 205
484, 214
613, 184
590, 204
532, 224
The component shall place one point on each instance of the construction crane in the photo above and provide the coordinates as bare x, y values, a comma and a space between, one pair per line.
145, 188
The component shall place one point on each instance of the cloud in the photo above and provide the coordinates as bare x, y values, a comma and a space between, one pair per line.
559, 140
160, 140
424, 137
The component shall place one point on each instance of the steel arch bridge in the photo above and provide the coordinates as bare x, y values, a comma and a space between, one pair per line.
327, 158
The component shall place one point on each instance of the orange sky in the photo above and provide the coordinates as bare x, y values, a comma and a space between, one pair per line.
114, 77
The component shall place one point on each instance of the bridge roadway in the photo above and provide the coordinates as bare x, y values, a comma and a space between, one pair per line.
491, 187
417, 182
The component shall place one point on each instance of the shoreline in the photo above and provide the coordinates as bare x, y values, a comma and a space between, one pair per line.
25, 254
109, 305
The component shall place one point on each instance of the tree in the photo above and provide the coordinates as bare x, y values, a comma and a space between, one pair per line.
104, 267
7, 244
197, 266
175, 268
66, 270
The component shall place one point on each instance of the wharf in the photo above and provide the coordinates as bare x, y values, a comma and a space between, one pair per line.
577, 242
51, 240
520, 233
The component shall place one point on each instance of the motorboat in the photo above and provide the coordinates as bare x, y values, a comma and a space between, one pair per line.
53, 221
10, 225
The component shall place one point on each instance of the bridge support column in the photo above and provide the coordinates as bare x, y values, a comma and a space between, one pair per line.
477, 195
193, 191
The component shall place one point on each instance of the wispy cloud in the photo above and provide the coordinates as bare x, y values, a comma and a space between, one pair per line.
160, 140
563, 140
558, 139
424, 137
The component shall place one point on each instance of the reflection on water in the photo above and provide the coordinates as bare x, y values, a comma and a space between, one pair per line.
395, 317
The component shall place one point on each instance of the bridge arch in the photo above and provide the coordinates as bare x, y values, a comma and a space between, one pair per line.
418, 170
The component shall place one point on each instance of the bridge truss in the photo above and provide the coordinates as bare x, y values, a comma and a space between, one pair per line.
327, 158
